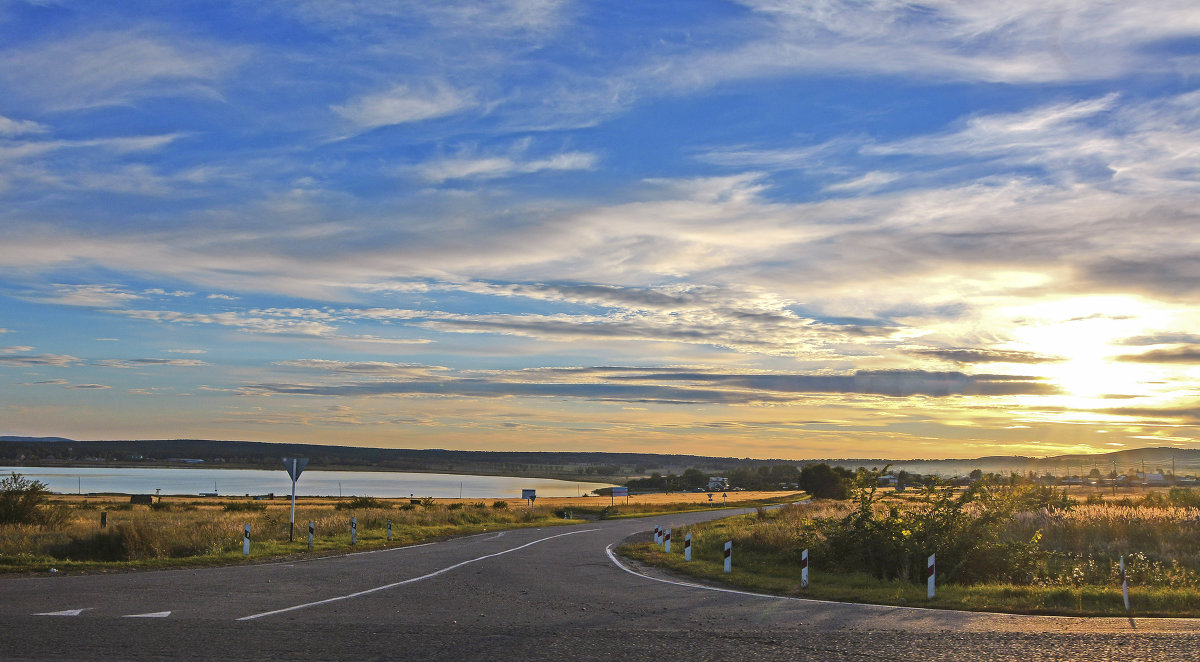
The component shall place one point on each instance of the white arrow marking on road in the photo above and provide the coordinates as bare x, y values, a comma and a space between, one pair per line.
408, 581
65, 612
153, 614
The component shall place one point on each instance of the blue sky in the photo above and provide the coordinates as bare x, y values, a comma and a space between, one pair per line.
761, 228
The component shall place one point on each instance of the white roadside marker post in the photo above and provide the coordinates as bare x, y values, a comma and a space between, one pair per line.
931, 576
655, 534
687, 547
312, 527
804, 569
1124, 585
389, 529
246, 541
729, 556
353, 530
667, 541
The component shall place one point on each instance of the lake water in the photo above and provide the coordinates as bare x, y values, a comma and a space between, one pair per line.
239, 482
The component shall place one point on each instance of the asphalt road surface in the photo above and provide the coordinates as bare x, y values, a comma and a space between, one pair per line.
535, 594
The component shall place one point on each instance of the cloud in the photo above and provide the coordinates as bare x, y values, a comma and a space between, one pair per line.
1186, 413
502, 166
403, 104
1185, 354
1161, 339
104, 68
10, 128
140, 363
31, 360
986, 356
92, 296
381, 368
97, 387
15, 349
673, 386
187, 351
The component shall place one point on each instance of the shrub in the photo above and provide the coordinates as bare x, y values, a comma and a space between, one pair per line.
499, 505
455, 506
24, 501
244, 507
362, 503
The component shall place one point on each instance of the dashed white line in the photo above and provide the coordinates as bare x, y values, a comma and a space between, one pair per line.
65, 612
409, 581
153, 614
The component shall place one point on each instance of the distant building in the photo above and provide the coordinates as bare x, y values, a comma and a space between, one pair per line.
888, 480
717, 483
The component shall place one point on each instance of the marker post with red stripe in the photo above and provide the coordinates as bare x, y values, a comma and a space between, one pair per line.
657, 533
1124, 584
804, 569
667, 541
931, 575
729, 556
687, 547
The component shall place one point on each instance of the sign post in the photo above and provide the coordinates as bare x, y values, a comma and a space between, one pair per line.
353, 530
616, 492
294, 465
1124, 585
531, 495
932, 574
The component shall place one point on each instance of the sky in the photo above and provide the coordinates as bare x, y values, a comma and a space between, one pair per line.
757, 228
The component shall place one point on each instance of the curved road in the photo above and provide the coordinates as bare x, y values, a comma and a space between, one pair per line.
530, 594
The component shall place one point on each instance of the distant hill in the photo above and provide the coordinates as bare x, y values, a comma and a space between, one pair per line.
33, 451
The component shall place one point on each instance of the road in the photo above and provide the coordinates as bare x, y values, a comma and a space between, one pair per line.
532, 594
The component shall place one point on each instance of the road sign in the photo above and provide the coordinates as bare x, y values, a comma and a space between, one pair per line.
294, 466
620, 491
529, 494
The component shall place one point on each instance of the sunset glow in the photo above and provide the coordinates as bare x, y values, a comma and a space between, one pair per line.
763, 229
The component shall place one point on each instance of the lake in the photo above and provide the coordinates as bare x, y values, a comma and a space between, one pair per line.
239, 482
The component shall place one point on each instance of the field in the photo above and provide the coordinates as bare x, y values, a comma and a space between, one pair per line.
183, 531
1048, 559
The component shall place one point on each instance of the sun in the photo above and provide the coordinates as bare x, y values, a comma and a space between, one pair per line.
1084, 338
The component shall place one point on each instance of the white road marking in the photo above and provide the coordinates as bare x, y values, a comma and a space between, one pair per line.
409, 581
154, 614
65, 612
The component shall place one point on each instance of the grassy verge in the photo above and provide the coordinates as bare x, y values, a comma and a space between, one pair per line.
779, 574
184, 532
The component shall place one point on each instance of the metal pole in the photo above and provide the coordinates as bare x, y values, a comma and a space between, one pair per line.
292, 527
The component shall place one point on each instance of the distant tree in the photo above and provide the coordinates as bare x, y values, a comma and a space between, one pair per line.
822, 482
976, 474
693, 478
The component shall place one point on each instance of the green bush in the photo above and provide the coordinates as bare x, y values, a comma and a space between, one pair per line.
362, 503
244, 507
499, 505
965, 530
24, 501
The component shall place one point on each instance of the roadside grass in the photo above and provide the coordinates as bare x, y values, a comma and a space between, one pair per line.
181, 532
144, 537
626, 511
767, 546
